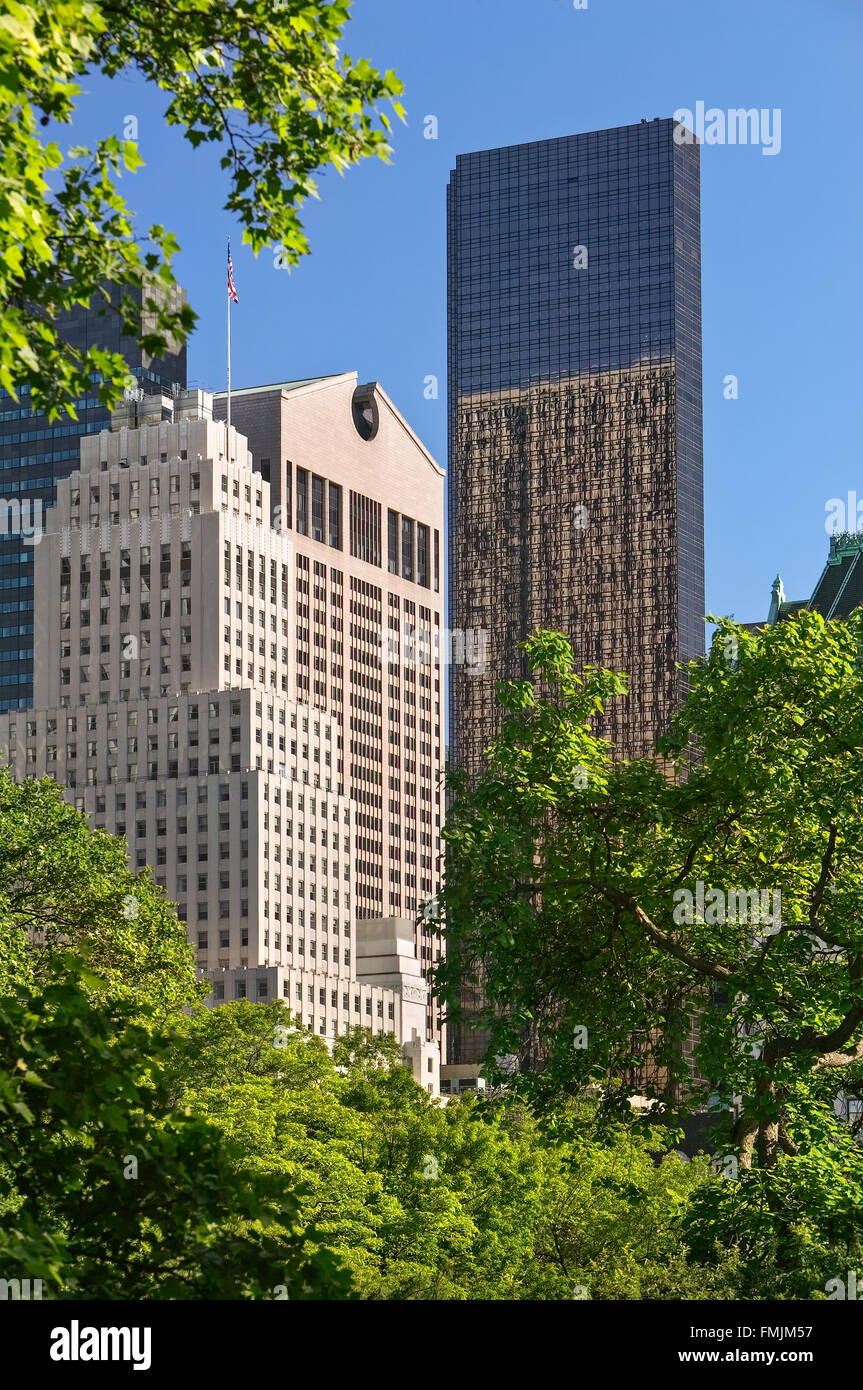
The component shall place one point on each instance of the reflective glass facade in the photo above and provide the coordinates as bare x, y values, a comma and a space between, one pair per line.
34, 453
575, 453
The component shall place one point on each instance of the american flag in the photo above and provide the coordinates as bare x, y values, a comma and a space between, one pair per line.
232, 289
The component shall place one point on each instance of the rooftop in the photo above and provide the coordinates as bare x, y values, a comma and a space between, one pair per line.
279, 386
839, 589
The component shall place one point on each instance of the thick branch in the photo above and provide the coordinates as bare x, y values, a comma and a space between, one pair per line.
700, 964
817, 895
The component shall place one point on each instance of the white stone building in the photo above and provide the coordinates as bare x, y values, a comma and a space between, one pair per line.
169, 615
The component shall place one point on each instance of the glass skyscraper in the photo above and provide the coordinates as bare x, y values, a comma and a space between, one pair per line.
34, 453
575, 441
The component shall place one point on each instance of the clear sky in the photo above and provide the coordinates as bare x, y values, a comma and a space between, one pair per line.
782, 241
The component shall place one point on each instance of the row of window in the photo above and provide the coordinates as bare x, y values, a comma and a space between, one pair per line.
193, 714
318, 507
203, 939
262, 991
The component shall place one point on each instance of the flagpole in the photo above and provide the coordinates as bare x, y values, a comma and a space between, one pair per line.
232, 295
228, 438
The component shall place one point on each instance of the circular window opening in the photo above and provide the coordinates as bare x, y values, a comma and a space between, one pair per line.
365, 412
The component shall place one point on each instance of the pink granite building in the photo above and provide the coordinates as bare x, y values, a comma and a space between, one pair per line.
363, 503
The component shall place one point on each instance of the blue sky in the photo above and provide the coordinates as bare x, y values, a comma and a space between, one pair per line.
781, 235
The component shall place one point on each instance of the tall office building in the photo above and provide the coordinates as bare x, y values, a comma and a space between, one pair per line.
361, 497
176, 700
36, 452
575, 456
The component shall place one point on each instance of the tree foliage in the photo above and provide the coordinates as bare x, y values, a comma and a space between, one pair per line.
609, 902
106, 1192
151, 1147
63, 886
106, 1195
420, 1200
265, 83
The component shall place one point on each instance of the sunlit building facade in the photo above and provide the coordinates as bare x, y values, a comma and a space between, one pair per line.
171, 619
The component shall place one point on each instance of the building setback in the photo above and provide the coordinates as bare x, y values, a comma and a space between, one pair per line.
36, 452
173, 701
575, 451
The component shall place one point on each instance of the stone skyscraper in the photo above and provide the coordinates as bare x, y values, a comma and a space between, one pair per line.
212, 682
361, 497
575, 453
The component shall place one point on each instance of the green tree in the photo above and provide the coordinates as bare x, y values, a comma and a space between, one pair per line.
610, 1224
422, 1200
106, 1190
63, 886
606, 903
414, 1199
264, 82
102, 1194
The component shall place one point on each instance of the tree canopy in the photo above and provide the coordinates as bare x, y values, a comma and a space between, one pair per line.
153, 1147
608, 905
73, 889
264, 82
107, 1190
422, 1200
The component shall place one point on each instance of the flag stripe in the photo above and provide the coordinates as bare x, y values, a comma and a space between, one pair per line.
232, 289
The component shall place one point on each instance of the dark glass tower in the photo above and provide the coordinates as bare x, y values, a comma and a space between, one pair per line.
575, 451
34, 453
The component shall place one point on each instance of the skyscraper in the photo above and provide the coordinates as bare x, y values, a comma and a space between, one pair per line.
36, 452
171, 619
363, 499
575, 455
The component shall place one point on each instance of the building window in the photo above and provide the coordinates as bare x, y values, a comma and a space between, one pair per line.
407, 548
422, 555
317, 508
364, 410
302, 502
365, 528
334, 499
393, 542
288, 497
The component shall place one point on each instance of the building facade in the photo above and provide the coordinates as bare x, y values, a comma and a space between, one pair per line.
35, 453
575, 449
171, 618
353, 487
